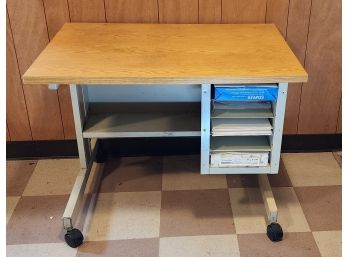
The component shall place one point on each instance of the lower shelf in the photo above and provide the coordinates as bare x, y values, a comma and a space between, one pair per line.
111, 125
241, 170
239, 143
241, 113
239, 159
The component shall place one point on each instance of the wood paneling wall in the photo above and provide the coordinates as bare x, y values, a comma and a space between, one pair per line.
17, 113
145, 11
178, 11
244, 11
321, 96
28, 24
296, 36
339, 121
312, 28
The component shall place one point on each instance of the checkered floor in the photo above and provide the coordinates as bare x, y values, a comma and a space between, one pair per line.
162, 206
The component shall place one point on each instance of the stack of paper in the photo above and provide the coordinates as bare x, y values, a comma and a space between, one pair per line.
246, 93
241, 127
239, 159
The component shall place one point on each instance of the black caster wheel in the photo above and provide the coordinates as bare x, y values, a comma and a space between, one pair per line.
74, 238
274, 232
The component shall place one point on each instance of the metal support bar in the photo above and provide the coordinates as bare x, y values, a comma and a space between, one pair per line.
73, 206
268, 198
205, 127
87, 150
278, 127
75, 199
80, 105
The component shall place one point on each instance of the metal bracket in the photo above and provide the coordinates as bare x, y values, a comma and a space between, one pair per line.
53, 86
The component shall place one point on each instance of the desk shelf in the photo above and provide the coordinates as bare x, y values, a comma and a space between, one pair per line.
241, 170
239, 144
111, 125
242, 113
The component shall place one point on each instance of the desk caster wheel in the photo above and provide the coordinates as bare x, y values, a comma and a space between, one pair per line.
74, 238
274, 232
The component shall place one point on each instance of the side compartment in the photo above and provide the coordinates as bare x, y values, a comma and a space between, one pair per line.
242, 134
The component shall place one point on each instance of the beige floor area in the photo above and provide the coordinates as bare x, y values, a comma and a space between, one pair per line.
162, 206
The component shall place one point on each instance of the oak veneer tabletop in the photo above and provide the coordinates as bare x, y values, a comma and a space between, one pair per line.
100, 53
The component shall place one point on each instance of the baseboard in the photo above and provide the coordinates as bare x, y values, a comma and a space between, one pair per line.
156, 146
311, 143
41, 149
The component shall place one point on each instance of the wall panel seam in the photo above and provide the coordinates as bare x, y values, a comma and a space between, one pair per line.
44, 9
158, 15
221, 12
20, 79
266, 11
304, 64
198, 11
61, 116
49, 39
8, 132
286, 36
287, 20
67, 3
106, 20
339, 114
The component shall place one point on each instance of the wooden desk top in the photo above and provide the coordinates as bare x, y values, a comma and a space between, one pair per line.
87, 53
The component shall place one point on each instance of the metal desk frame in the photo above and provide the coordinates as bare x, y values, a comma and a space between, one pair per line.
87, 148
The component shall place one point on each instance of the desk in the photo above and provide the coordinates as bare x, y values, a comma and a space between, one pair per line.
155, 80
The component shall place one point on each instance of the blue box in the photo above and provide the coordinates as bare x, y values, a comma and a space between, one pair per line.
246, 93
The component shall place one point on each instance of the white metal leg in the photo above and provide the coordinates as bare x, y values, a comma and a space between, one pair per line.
79, 104
274, 230
268, 198
205, 128
73, 206
278, 127
86, 154
87, 149
75, 199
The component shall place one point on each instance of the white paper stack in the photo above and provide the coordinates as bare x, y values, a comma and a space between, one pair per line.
239, 159
241, 127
